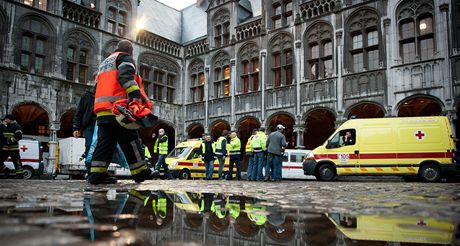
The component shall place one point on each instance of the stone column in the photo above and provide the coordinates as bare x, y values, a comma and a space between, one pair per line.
299, 130
50, 168
389, 88
206, 97
339, 57
444, 53
232, 91
298, 51
263, 72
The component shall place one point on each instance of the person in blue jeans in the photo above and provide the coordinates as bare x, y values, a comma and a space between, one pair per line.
234, 151
276, 143
221, 151
208, 148
259, 146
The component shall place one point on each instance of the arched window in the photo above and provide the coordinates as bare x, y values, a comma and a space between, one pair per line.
197, 80
34, 36
282, 58
416, 31
363, 41
281, 13
249, 60
159, 75
221, 23
79, 56
319, 51
41, 4
221, 72
118, 16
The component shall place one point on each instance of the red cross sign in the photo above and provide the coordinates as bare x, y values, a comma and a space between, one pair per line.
421, 223
24, 148
419, 135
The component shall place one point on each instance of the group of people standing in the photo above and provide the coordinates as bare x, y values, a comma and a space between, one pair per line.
262, 151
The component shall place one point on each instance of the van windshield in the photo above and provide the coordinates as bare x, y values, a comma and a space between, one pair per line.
179, 152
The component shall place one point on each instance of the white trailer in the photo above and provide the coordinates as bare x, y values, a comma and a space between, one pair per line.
70, 157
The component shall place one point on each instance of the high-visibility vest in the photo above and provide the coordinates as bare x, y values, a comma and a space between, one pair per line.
161, 148
108, 89
256, 214
147, 152
249, 145
235, 147
262, 140
203, 147
219, 150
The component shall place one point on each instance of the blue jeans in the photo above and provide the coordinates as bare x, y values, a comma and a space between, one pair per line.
274, 163
209, 169
221, 160
237, 162
259, 158
250, 167
88, 132
162, 163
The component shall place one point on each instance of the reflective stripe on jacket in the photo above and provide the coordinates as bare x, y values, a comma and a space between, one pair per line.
235, 147
109, 89
220, 149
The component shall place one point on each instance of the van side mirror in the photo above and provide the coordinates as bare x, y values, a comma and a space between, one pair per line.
328, 145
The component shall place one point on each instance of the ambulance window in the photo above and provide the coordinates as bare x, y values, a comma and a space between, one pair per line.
194, 154
285, 157
343, 138
297, 157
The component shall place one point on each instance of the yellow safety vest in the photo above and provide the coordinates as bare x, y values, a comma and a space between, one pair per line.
147, 152
161, 148
249, 144
235, 147
219, 150
203, 147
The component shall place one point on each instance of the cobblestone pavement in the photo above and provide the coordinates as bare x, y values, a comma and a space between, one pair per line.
55, 212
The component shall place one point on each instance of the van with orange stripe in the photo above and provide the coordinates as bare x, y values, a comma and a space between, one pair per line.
185, 161
420, 147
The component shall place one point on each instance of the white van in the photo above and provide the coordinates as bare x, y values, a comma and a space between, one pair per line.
293, 163
31, 158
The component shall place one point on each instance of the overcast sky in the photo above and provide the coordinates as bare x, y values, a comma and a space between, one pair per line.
178, 4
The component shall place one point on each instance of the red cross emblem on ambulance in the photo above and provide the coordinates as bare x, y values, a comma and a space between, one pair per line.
419, 135
24, 148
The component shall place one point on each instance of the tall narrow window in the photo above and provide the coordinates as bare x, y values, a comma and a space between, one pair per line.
117, 18
319, 51
33, 36
41, 4
221, 23
221, 64
364, 41
282, 13
249, 60
282, 60
78, 56
145, 73
416, 35
197, 81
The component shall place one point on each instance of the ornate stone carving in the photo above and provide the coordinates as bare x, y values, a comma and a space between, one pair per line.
158, 61
413, 8
319, 31
79, 38
221, 59
311, 9
281, 41
220, 17
249, 51
362, 20
81, 14
196, 66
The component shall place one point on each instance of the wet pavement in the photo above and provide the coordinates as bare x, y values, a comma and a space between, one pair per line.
197, 212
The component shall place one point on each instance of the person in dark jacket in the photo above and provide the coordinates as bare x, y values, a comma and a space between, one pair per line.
12, 133
85, 120
208, 147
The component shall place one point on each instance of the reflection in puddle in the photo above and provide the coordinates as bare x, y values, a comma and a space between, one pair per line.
160, 217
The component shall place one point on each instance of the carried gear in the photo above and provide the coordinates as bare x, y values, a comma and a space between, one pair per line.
134, 115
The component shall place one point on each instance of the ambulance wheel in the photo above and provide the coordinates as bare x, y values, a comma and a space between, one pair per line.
28, 172
184, 174
430, 172
325, 172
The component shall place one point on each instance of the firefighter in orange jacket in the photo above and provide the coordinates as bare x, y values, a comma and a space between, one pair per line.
117, 79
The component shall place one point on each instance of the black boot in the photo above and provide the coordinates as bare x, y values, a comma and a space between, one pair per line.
146, 174
101, 178
19, 174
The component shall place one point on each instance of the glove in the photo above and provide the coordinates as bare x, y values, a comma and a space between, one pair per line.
134, 95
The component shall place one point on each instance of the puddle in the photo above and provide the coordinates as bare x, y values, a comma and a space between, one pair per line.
141, 217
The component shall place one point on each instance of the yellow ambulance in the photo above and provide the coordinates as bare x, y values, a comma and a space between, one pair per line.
403, 229
411, 147
185, 161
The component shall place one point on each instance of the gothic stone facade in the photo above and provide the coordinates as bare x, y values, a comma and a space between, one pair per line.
307, 64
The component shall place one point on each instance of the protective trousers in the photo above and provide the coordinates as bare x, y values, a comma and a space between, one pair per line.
15, 158
108, 136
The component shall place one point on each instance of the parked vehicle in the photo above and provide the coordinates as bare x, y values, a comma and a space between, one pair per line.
293, 163
70, 158
185, 162
411, 147
31, 158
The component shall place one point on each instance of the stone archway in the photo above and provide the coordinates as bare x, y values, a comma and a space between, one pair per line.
282, 233
245, 127
195, 130
217, 127
288, 122
33, 119
319, 124
366, 110
419, 106
245, 227
66, 122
